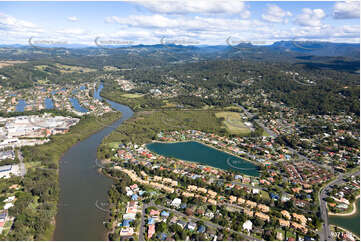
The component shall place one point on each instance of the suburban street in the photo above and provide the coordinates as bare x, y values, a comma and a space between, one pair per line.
142, 223
207, 223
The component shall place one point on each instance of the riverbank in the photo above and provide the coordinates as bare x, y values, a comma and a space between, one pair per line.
59, 145
353, 212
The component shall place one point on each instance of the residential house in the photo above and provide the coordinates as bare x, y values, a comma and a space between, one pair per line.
299, 227
263, 208
284, 223
248, 212
240, 200
151, 230
262, 216
286, 214
300, 218
201, 229
247, 226
176, 202
181, 223
191, 226
212, 201
251, 204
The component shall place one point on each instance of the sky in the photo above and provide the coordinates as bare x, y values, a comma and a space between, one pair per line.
188, 22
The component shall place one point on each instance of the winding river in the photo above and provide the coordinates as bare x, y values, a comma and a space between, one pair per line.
82, 186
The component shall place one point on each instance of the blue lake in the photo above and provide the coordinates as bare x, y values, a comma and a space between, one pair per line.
203, 154
49, 103
75, 103
76, 91
351, 223
20, 107
97, 92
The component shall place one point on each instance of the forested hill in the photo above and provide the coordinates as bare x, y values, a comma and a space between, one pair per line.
335, 87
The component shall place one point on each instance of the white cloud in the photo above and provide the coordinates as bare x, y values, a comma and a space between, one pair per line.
346, 10
199, 6
11, 23
73, 18
276, 14
194, 24
72, 31
310, 17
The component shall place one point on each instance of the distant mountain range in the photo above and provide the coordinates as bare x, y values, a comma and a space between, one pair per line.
302, 47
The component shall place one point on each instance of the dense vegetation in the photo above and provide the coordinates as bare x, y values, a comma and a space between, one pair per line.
337, 78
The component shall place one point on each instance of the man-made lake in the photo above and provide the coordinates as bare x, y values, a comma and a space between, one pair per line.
20, 107
49, 103
75, 103
351, 223
97, 92
197, 152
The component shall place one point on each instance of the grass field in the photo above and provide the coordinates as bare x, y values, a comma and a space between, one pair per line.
132, 95
233, 108
169, 105
110, 68
10, 63
233, 123
71, 69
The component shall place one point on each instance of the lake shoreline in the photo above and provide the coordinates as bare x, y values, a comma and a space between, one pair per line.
206, 165
225, 151
353, 212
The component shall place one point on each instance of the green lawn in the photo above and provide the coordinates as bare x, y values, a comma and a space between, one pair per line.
132, 95
234, 123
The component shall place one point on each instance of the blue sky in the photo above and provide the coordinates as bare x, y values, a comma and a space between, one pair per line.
190, 21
